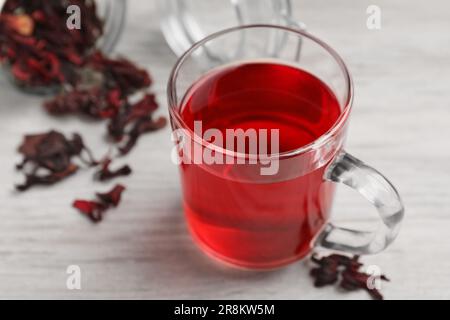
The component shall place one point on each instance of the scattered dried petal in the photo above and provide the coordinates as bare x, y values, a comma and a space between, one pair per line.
93, 210
131, 113
106, 173
334, 267
50, 179
142, 126
121, 73
112, 197
53, 152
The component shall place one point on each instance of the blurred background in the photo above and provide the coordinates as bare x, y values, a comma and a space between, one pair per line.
400, 125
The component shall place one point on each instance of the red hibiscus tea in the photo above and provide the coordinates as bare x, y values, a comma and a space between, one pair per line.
267, 223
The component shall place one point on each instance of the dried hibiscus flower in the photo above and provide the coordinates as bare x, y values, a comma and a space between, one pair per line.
143, 125
131, 113
95, 210
105, 90
47, 179
95, 103
335, 267
120, 74
135, 120
112, 197
105, 173
52, 153
92, 209
110, 99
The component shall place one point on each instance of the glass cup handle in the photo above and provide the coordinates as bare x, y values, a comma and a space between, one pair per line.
373, 186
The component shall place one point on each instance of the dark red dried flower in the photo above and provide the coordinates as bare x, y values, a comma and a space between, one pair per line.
95, 103
130, 113
92, 209
110, 100
95, 210
120, 73
334, 267
143, 125
106, 173
112, 197
48, 179
53, 153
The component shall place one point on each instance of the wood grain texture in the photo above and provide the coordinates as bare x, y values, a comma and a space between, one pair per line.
400, 125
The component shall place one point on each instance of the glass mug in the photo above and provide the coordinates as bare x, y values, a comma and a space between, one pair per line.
263, 221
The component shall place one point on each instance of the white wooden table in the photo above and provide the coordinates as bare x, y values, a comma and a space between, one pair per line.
400, 125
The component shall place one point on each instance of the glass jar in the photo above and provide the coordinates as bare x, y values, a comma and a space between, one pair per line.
185, 22
113, 14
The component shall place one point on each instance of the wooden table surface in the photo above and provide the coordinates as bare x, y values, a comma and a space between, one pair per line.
400, 125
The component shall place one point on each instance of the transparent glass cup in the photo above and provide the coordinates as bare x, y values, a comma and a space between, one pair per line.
230, 208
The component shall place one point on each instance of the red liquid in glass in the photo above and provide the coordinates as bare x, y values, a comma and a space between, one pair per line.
258, 225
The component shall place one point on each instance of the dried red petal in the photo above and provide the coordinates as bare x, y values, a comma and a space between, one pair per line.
20, 73
93, 210
142, 126
112, 197
50, 179
90, 102
39, 16
114, 98
76, 146
324, 277
73, 57
121, 72
143, 108
132, 114
53, 152
336, 266
105, 173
